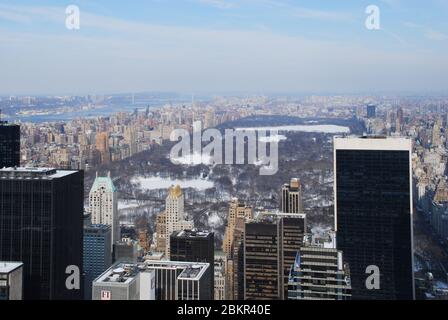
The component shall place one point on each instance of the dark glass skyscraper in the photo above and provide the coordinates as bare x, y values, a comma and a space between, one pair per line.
371, 111
373, 213
270, 249
194, 246
97, 255
261, 261
41, 224
9, 145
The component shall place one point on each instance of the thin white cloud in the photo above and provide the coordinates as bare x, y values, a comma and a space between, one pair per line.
436, 35
427, 32
320, 14
110, 54
219, 4
13, 16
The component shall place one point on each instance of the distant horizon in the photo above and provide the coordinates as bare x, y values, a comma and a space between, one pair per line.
236, 94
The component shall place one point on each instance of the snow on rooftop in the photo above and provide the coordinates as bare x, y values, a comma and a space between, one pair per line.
7, 267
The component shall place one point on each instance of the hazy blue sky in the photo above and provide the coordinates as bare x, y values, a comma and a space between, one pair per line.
208, 46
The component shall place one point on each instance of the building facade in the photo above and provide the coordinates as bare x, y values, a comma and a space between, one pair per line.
175, 280
319, 273
11, 280
261, 256
291, 230
125, 281
173, 219
237, 210
195, 246
271, 244
291, 197
103, 205
42, 218
9, 145
97, 255
373, 213
220, 277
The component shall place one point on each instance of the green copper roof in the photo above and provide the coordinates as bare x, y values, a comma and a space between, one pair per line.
107, 181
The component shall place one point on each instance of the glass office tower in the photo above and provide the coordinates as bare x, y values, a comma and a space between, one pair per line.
41, 225
373, 213
195, 246
9, 145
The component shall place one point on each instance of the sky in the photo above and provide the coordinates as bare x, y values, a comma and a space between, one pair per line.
223, 46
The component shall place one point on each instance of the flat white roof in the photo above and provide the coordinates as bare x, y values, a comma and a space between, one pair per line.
373, 143
8, 267
34, 173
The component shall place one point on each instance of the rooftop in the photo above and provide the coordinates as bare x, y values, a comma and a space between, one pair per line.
278, 214
191, 270
96, 228
125, 273
175, 191
194, 233
121, 273
4, 123
373, 143
103, 182
7, 267
293, 184
33, 173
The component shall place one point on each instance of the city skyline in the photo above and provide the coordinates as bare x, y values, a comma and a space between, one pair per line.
217, 46
229, 150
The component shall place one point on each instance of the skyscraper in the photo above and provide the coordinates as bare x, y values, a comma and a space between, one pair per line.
9, 145
373, 213
289, 233
176, 280
436, 135
371, 111
103, 205
97, 255
233, 249
220, 276
194, 246
126, 250
173, 217
291, 230
319, 273
11, 280
130, 137
42, 225
102, 145
236, 210
161, 232
261, 267
125, 281
291, 199
399, 120
236, 263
